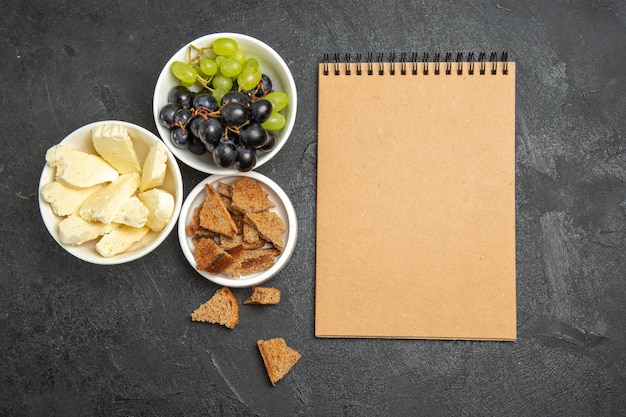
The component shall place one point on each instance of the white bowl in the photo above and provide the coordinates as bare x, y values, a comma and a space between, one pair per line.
283, 208
142, 139
270, 63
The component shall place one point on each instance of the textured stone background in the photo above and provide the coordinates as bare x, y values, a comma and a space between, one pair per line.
79, 339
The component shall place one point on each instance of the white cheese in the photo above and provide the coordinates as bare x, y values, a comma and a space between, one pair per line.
66, 200
120, 240
114, 144
160, 205
104, 204
154, 167
132, 213
74, 230
79, 169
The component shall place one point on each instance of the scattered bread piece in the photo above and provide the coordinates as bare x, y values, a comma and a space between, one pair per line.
222, 308
264, 296
277, 357
210, 257
249, 196
214, 215
270, 226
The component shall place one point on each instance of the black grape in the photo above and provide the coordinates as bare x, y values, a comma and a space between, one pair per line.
196, 146
260, 110
206, 100
246, 159
181, 95
194, 125
210, 132
235, 113
166, 115
264, 87
182, 116
253, 136
270, 143
225, 154
179, 137
236, 97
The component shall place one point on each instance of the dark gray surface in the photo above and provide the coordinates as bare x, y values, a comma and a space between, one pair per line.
79, 339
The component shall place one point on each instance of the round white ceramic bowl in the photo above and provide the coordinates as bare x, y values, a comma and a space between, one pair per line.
270, 63
283, 208
142, 139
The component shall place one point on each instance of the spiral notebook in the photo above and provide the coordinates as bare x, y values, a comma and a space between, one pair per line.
416, 197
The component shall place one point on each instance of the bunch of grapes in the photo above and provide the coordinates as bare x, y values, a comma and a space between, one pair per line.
224, 105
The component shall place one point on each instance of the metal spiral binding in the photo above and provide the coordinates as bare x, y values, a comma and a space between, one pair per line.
448, 63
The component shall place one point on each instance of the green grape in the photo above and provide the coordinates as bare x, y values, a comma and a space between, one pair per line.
279, 100
221, 82
240, 56
230, 67
218, 93
184, 72
249, 78
208, 66
225, 46
275, 122
219, 59
251, 62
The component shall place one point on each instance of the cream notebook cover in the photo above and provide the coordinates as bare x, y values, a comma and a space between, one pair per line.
416, 199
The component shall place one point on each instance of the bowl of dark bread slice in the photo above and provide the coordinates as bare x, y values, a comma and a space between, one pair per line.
237, 230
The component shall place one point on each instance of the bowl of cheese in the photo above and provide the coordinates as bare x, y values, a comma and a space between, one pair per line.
110, 192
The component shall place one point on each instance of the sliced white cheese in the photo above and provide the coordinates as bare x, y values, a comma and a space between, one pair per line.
154, 167
79, 169
74, 230
120, 240
114, 144
65, 200
160, 205
104, 204
132, 213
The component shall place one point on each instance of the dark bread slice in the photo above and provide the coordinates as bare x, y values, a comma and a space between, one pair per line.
255, 253
263, 296
210, 257
250, 234
224, 189
215, 216
270, 226
277, 357
228, 243
258, 264
234, 270
222, 308
249, 196
194, 230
